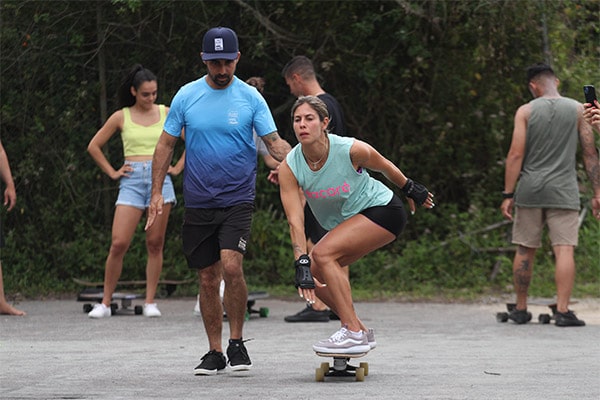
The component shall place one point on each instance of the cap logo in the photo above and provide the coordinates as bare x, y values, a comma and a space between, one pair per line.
218, 44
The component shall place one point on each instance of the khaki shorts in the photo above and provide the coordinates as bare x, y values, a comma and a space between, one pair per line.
563, 226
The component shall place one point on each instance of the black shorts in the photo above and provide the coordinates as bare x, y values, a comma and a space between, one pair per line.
312, 229
208, 231
391, 216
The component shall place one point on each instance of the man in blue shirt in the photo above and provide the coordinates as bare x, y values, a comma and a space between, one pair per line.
218, 113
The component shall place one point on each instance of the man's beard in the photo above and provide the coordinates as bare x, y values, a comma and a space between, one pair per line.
221, 80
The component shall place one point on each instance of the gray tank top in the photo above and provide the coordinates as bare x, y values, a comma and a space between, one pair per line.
548, 176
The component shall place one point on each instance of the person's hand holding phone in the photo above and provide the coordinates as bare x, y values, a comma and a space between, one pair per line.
590, 95
591, 108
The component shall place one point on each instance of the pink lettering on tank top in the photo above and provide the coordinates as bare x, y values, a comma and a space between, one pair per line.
330, 192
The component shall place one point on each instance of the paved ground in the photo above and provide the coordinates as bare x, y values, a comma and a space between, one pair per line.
425, 351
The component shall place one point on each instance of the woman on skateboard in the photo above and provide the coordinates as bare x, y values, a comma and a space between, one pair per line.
140, 122
360, 213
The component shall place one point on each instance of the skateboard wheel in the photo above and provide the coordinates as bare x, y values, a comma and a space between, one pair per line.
87, 307
502, 317
365, 367
360, 374
319, 375
247, 316
325, 367
263, 312
138, 310
113, 308
544, 318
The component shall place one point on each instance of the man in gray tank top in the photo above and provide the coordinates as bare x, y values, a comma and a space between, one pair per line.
542, 159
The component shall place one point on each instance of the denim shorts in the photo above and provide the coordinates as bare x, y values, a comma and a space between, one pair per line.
136, 189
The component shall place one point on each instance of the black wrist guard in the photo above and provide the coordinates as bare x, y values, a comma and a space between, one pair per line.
415, 191
304, 279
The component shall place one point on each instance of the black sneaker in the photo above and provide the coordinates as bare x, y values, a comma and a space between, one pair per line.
520, 316
212, 362
238, 356
568, 319
309, 315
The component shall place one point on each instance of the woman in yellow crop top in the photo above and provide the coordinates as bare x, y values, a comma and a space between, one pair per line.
140, 122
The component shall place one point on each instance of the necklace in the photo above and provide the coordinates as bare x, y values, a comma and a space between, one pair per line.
316, 163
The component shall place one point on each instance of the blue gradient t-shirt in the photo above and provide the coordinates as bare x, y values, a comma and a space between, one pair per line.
220, 159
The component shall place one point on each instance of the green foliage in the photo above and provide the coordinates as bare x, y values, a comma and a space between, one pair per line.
432, 84
269, 258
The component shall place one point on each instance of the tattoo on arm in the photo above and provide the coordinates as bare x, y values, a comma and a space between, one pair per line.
298, 249
590, 155
278, 148
272, 137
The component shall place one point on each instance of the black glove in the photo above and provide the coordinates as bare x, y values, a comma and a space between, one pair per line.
415, 191
304, 279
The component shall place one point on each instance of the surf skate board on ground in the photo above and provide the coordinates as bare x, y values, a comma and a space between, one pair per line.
168, 286
341, 367
95, 295
263, 312
543, 318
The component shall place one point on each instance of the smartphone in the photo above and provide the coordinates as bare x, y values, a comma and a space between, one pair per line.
590, 94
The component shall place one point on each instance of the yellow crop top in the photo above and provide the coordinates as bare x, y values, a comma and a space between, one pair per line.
139, 140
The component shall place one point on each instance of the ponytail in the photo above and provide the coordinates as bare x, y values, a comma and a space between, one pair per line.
137, 75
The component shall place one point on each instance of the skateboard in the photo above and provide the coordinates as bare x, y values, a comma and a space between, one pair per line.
341, 367
263, 312
169, 285
125, 299
543, 318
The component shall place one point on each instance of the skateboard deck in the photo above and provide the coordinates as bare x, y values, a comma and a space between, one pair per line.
125, 300
543, 318
169, 284
341, 367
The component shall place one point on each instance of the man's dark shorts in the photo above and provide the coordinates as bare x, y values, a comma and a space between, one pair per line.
208, 231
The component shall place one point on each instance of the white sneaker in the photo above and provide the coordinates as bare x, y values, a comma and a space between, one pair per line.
99, 311
151, 310
344, 341
371, 338
222, 290
197, 307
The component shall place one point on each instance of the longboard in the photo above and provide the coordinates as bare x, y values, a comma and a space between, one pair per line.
125, 299
169, 284
543, 318
262, 312
341, 367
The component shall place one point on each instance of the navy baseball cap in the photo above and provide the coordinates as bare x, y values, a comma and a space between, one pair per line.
220, 43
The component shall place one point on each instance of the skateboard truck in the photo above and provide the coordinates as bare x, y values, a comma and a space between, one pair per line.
341, 367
